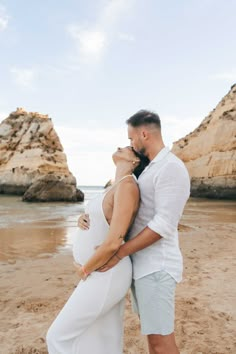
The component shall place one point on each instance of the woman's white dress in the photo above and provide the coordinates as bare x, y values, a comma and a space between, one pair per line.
91, 322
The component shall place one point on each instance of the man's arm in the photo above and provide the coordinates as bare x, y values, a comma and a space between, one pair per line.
144, 239
171, 194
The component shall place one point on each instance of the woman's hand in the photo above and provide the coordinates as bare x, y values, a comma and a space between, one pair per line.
84, 222
80, 271
110, 264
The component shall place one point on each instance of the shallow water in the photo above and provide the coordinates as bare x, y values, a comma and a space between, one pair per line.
43, 229
38, 229
14, 212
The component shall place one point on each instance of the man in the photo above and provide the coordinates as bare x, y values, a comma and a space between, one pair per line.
153, 239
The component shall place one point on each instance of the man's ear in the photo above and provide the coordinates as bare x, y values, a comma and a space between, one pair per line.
144, 134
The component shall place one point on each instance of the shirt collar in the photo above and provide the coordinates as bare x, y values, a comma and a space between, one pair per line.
161, 155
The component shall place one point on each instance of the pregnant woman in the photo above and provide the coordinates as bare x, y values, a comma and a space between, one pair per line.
91, 322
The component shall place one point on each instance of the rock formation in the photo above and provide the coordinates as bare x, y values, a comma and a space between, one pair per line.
209, 152
32, 161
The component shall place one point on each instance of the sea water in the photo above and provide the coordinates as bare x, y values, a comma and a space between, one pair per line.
41, 229
31, 229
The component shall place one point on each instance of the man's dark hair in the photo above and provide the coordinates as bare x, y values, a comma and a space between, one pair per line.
144, 117
144, 161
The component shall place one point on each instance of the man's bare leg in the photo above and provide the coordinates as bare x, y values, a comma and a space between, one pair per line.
150, 349
159, 344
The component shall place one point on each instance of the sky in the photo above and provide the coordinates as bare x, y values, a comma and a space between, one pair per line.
91, 64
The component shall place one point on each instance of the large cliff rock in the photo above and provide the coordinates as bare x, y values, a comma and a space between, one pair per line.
32, 161
209, 152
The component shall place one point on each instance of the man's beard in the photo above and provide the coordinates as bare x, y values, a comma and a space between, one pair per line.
142, 151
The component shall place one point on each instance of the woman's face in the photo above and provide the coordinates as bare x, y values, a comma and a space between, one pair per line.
125, 153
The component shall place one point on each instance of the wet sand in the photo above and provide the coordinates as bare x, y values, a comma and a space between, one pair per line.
37, 277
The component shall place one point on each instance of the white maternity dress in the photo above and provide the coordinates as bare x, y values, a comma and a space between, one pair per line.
91, 322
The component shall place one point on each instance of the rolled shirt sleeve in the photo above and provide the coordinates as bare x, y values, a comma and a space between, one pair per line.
172, 189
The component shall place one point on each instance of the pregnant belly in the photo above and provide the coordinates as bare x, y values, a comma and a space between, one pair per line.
84, 245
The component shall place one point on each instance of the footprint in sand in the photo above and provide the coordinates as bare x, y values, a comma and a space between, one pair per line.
15, 325
34, 305
191, 301
30, 350
225, 315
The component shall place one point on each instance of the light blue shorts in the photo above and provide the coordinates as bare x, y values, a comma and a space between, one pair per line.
153, 298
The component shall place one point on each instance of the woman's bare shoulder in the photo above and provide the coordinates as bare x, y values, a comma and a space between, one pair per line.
128, 186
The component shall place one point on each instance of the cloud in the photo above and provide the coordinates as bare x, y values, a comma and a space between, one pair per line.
53, 71
92, 139
23, 77
91, 41
225, 76
92, 168
113, 10
4, 18
89, 152
126, 37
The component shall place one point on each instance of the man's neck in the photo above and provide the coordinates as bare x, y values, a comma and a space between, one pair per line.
154, 150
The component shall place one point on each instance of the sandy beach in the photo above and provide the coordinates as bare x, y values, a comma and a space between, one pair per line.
36, 281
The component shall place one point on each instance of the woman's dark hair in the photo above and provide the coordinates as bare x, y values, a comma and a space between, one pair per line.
144, 161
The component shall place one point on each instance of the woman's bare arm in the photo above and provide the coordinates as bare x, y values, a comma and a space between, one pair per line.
126, 202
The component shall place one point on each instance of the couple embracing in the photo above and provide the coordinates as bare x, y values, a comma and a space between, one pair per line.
137, 216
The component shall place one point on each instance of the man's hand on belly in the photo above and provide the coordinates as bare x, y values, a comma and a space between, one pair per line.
84, 222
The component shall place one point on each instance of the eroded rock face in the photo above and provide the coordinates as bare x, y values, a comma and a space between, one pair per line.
30, 151
50, 188
209, 152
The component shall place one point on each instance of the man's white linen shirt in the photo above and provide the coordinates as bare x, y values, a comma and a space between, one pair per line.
164, 189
